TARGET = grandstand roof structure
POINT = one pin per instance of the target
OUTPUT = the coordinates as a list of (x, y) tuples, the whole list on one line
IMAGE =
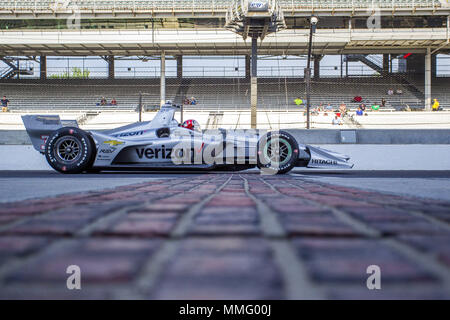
[(216, 40), (209, 8)]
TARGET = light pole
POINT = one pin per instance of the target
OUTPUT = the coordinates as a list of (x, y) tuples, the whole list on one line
[(313, 23), (140, 106), (254, 82)]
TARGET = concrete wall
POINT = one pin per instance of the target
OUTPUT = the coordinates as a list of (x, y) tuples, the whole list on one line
[(395, 157), (365, 157), (315, 136), (14, 137), (374, 136)]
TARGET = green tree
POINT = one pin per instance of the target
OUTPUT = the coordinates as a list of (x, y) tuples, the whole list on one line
[(76, 73)]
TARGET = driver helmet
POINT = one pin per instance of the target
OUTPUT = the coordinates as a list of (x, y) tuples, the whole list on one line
[(191, 125)]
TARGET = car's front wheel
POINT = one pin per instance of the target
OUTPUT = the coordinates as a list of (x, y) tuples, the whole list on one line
[(277, 153), (70, 150)]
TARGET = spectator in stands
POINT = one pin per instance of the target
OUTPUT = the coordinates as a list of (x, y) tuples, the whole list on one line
[(406, 108), (383, 102), (362, 106), (390, 92), (186, 101), (343, 109), (336, 121), (375, 107), (114, 102), (399, 91), (5, 104), (359, 112), (435, 106), (298, 102), (329, 107), (193, 101), (357, 99), (103, 101)]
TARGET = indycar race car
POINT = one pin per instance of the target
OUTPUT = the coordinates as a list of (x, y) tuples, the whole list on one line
[(164, 144)]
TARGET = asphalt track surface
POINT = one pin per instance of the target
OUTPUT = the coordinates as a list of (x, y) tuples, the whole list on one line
[(21, 185), (305, 235)]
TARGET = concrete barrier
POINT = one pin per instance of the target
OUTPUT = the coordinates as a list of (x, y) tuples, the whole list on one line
[(315, 136), (365, 157), (22, 158), (374, 136), (14, 137), (395, 157)]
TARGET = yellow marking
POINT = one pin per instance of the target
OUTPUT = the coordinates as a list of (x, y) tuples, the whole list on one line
[(113, 143)]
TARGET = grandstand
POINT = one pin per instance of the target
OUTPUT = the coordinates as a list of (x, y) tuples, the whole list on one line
[(45, 8), (440, 89), (407, 38), (212, 94)]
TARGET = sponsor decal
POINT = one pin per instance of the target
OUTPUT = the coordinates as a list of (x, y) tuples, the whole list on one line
[(201, 148), (44, 139), (108, 151), (129, 134), (324, 162), (48, 120), (113, 143), (257, 4), (154, 153)]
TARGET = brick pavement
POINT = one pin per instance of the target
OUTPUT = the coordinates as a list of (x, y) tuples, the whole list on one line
[(226, 236)]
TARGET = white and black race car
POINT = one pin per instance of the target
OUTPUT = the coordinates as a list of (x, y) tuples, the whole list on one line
[(164, 144)]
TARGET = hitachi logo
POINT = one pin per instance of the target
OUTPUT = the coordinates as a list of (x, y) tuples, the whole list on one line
[(156, 153), (324, 162)]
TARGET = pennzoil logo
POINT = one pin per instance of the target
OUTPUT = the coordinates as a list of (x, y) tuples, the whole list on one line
[(113, 143)]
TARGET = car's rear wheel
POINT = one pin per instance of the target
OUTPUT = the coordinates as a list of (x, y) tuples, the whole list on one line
[(277, 153), (70, 150)]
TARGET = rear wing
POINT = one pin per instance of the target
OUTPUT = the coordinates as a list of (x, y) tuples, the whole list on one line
[(39, 128)]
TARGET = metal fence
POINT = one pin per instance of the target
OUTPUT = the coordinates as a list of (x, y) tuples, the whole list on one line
[(203, 72)]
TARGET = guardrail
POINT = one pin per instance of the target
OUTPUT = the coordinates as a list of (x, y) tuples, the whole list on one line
[(203, 72)]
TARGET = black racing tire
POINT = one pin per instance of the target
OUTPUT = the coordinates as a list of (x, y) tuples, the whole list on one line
[(90, 168), (70, 150), (282, 160)]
